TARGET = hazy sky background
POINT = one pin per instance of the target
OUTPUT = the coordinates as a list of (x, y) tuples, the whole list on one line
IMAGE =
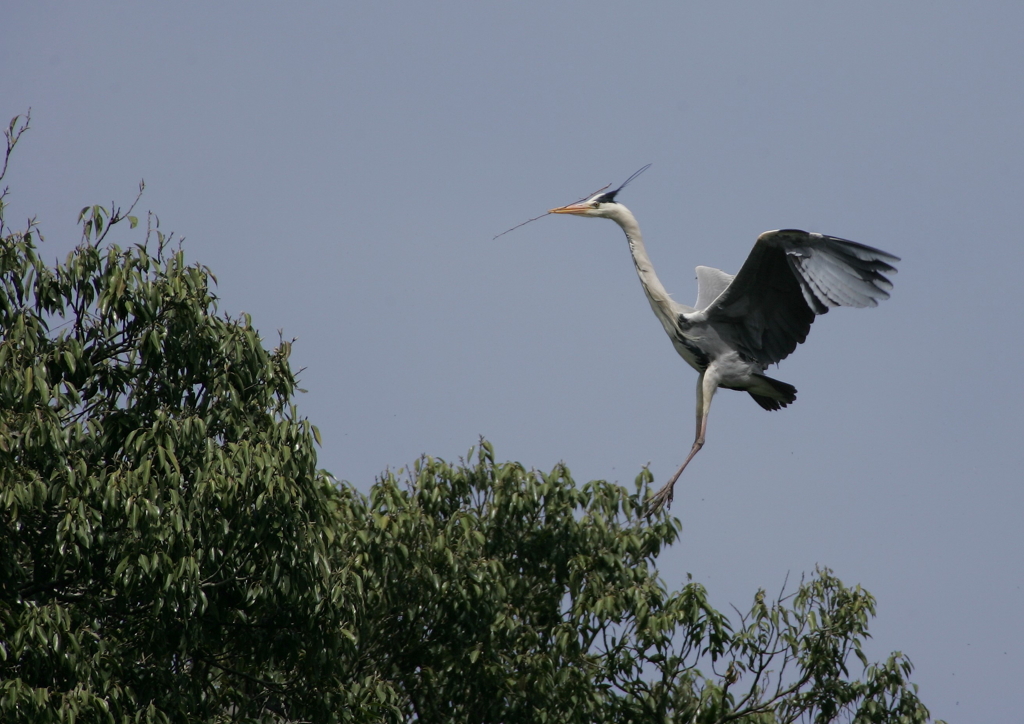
[(343, 167)]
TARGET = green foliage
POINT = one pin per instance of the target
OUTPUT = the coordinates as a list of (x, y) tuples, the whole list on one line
[(162, 547), (169, 551), (486, 592)]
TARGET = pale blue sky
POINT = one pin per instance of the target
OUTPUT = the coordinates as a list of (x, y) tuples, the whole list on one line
[(342, 169)]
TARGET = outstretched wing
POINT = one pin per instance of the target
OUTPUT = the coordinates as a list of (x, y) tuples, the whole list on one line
[(789, 277), (711, 283)]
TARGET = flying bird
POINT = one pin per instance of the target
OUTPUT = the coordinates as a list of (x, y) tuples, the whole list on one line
[(745, 322)]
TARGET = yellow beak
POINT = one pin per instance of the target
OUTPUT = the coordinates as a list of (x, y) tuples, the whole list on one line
[(570, 209)]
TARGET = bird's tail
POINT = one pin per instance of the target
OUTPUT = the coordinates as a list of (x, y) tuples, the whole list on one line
[(772, 394)]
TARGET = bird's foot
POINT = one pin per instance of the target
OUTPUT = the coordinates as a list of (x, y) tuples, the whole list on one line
[(661, 499)]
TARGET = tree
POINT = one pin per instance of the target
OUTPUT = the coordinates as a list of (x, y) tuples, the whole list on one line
[(162, 521), (487, 592), (169, 551)]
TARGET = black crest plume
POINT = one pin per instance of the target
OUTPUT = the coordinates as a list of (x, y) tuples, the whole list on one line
[(610, 196)]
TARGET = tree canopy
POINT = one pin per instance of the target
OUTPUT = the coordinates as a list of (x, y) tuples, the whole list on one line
[(170, 552)]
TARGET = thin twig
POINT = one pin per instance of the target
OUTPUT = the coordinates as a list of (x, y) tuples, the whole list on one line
[(548, 213), (13, 133)]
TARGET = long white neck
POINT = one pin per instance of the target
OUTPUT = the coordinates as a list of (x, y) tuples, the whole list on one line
[(662, 304)]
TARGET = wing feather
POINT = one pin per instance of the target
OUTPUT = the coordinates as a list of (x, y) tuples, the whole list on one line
[(789, 277), (711, 283)]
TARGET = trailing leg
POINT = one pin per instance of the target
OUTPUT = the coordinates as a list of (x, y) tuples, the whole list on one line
[(707, 384)]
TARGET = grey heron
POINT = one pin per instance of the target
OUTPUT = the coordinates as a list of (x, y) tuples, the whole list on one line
[(745, 322)]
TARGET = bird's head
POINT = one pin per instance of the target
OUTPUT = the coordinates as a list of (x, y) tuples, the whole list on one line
[(601, 205)]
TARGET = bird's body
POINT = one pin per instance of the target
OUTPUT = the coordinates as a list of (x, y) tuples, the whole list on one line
[(742, 324)]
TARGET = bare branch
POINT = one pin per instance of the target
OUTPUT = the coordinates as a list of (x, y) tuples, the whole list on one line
[(13, 134)]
